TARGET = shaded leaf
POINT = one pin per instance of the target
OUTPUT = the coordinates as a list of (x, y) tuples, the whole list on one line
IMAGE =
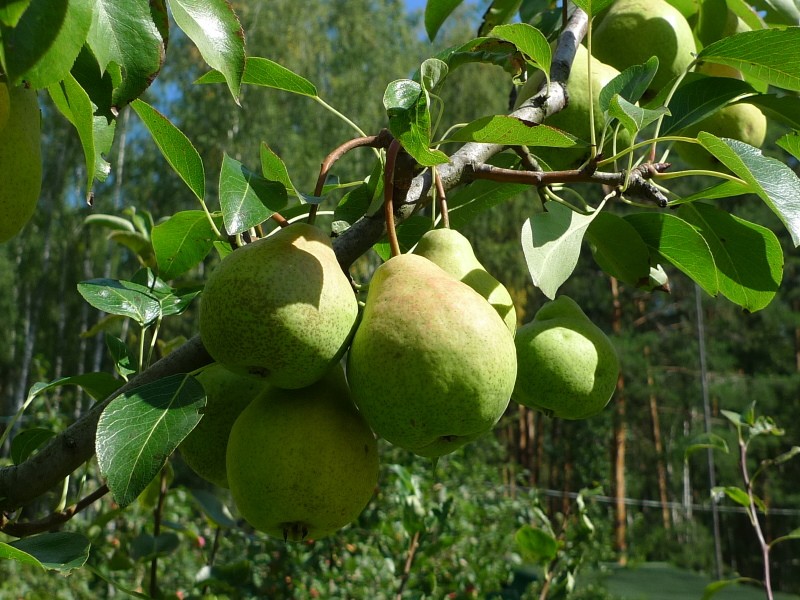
[(593, 7), (139, 430), (214, 508), (551, 242), (618, 248), (498, 13), (266, 73), (181, 242), (677, 242), (124, 362), (631, 84), (175, 146), (146, 547), (121, 298), (11, 11), (712, 588), (406, 104), (27, 442), (245, 197), (792, 535), (791, 143), (61, 550), (408, 234), (699, 99), (706, 441), (726, 189), (528, 40), (784, 108)]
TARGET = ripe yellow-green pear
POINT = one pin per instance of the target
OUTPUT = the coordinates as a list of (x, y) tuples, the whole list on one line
[(567, 367), (743, 122), (227, 395), (632, 31), (20, 160), (280, 308), (451, 251), (302, 463), (574, 118), (432, 365)]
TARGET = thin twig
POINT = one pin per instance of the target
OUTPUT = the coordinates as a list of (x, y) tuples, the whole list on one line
[(442, 202), (754, 517), (388, 196), (157, 512), (53, 520), (412, 552)]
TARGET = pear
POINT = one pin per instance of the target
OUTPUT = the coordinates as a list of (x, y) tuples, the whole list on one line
[(302, 463), (451, 251), (5, 104), (227, 395), (280, 308), (568, 368), (432, 365), (632, 31), (20, 160)]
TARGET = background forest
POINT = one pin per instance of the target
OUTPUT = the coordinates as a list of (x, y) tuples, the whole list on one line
[(617, 488)]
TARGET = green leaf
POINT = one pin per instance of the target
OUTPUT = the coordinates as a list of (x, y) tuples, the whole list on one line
[(137, 243), (436, 13), (748, 257), (128, 42), (501, 129), (771, 55), (214, 508), (726, 189), (733, 417), (632, 117), (677, 242), (172, 301), (432, 73), (175, 146), (779, 12), (124, 362), (783, 108), (121, 298), (791, 143), (733, 492), (11, 11), (618, 248), (45, 42), (705, 441), (112, 222), (498, 13), (631, 84), (487, 50), (406, 103), (26, 442), (712, 588), (61, 550), (213, 27), (181, 242), (245, 197), (139, 430), (700, 98), (551, 242), (266, 73), (593, 7), (146, 547), (536, 546), (774, 182), (98, 385), (95, 133), (274, 169), (792, 535), (528, 40)]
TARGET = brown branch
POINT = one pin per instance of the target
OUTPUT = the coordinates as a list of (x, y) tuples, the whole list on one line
[(442, 195), (53, 520), (67, 451), (412, 552), (388, 196)]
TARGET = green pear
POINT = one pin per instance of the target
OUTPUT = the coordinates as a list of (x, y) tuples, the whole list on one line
[(302, 463), (20, 160), (5, 104), (632, 31), (451, 251), (227, 395), (568, 368), (574, 118), (432, 365), (280, 308), (743, 122)]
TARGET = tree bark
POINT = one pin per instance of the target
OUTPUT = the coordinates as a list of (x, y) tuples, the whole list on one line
[(658, 446)]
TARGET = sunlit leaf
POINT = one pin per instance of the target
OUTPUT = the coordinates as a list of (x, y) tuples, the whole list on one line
[(266, 73), (501, 129), (245, 197), (528, 40), (181, 242), (436, 13), (121, 298)]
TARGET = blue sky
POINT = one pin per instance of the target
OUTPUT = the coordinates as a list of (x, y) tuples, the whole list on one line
[(415, 4)]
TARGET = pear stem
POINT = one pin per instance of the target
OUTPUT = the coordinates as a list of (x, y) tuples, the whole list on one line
[(278, 218), (388, 196), (382, 140), (442, 199)]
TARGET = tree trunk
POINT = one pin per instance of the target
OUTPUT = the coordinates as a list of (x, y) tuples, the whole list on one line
[(661, 469), (618, 452)]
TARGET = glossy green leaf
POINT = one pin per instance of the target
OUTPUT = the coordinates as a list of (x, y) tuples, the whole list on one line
[(45, 42), (128, 41), (631, 83), (175, 146), (61, 550), (618, 248), (498, 13), (726, 189), (139, 430), (699, 98), (744, 10), (436, 13), (172, 301), (677, 242), (215, 30), (791, 143), (632, 117), (266, 73), (486, 50), (536, 546), (748, 257), (528, 40), (26, 442), (273, 168), (706, 441), (121, 298), (95, 133), (181, 242), (779, 12), (124, 361), (11, 11), (245, 197), (406, 103), (501, 129), (772, 55), (774, 182), (551, 242), (593, 7)]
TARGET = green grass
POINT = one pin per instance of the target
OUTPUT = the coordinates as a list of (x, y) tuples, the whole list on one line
[(661, 581)]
